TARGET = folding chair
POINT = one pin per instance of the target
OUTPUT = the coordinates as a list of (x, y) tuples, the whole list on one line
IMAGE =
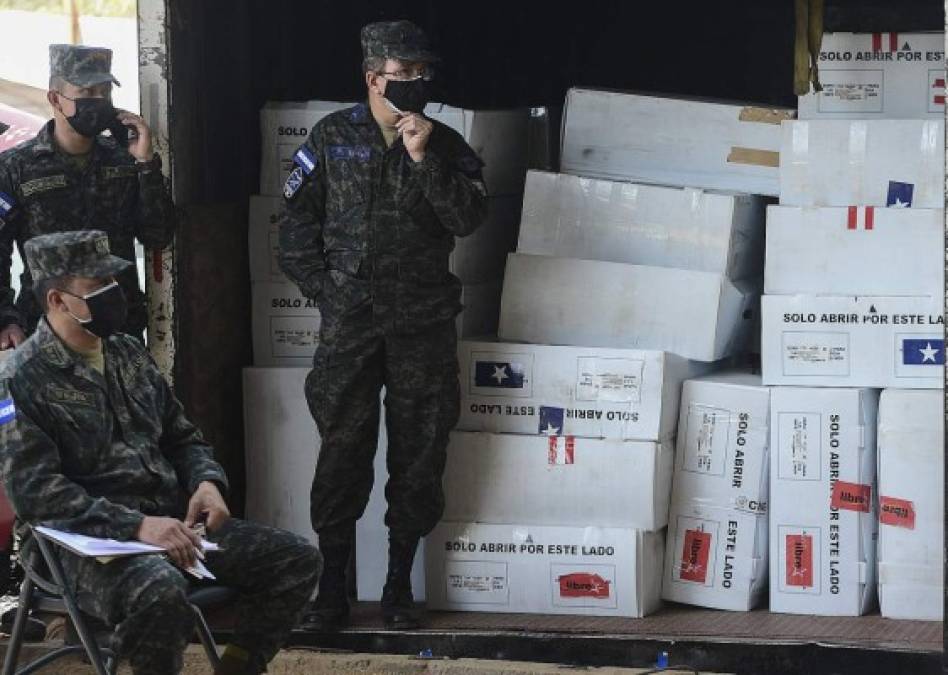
[(40, 593)]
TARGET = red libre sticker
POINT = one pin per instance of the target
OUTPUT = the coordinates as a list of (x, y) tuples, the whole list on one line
[(897, 512), (583, 585), (694, 556), (800, 560), (851, 496)]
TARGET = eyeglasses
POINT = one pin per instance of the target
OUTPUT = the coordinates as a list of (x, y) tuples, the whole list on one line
[(407, 74)]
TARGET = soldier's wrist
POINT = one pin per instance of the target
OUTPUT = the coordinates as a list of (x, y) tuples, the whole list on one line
[(151, 164)]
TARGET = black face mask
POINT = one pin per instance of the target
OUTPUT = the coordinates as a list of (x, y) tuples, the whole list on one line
[(108, 310), (93, 116), (408, 96)]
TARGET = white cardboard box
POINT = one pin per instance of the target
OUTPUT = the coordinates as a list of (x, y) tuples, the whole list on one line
[(854, 251), (672, 141), (863, 163), (476, 567), (879, 76), (557, 480), (823, 523), (687, 228), (572, 391), (282, 447), (478, 258), (285, 325), (844, 341), (697, 315), (717, 523), (499, 137), (911, 504)]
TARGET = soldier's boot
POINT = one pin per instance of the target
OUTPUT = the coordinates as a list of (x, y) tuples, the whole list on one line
[(398, 604), (330, 611)]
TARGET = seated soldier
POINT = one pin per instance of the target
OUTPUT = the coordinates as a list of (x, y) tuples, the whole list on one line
[(93, 441)]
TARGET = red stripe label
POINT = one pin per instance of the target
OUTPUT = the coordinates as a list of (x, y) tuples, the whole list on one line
[(877, 42), (893, 42), (569, 451), (940, 99), (870, 216), (800, 560), (851, 496), (851, 218), (694, 556), (939, 83), (897, 512)]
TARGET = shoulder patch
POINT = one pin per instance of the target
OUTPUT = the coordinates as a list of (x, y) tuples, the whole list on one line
[(7, 411), (306, 160), (42, 184), (293, 182), (6, 204)]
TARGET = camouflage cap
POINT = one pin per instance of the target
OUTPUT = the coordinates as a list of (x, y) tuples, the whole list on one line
[(400, 40), (81, 66), (84, 253)]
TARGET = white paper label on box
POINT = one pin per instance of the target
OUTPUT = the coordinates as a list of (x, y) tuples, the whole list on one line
[(618, 380), (706, 439), (919, 355), (476, 582), (815, 353), (293, 336), (800, 559), (507, 375), (800, 452), (583, 585), (695, 551), (851, 91)]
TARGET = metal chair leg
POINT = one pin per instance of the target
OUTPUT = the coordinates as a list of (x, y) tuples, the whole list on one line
[(19, 627), (207, 639)]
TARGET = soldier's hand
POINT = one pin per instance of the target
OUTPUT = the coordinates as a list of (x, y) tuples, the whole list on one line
[(415, 131), (11, 337), (171, 535), (141, 147), (207, 499)]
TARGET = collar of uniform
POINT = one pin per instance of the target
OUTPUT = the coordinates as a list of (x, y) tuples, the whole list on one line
[(51, 346), (361, 114), (44, 139)]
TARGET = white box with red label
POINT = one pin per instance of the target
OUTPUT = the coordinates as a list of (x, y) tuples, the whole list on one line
[(823, 521), (571, 391), (557, 480), (672, 141), (911, 504), (565, 301), (285, 325), (591, 571), (686, 228), (499, 137), (717, 522), (897, 163), (878, 76), (849, 341), (856, 250)]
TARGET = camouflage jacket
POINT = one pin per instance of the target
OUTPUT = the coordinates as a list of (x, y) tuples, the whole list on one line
[(42, 191), (90, 453), (366, 226)]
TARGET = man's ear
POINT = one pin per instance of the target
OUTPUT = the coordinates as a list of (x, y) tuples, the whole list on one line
[(372, 82), (54, 299), (52, 97)]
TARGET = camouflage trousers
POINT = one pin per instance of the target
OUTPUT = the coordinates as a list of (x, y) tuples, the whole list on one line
[(419, 372), (145, 597)]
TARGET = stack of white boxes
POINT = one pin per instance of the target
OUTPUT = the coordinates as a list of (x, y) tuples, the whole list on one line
[(853, 304), (558, 480)]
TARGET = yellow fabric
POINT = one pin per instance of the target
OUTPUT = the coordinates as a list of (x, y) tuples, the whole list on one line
[(389, 134), (95, 359)]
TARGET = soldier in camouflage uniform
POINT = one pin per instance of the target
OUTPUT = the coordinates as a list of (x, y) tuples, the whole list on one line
[(92, 440), (374, 202), (69, 177)]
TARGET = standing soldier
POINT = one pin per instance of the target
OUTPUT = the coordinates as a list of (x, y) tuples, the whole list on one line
[(69, 177), (376, 197)]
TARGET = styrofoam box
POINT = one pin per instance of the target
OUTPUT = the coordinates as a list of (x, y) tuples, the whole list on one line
[(911, 499), (282, 447), (571, 391), (845, 341), (592, 571), (863, 163), (557, 480), (697, 315), (823, 523), (285, 325), (878, 75), (715, 557), (672, 141), (499, 137), (854, 251), (687, 228), (478, 258)]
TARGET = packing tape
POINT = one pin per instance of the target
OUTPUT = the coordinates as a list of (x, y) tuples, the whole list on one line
[(765, 115), (740, 155)]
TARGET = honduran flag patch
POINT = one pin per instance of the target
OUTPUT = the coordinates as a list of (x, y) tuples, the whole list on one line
[(305, 158), (7, 411), (6, 203)]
